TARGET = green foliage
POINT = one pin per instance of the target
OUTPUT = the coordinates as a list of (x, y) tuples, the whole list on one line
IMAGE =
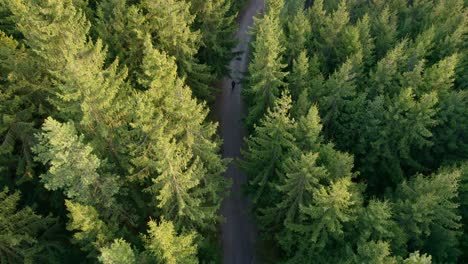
[(91, 233), (22, 232), (426, 210), (119, 252), (217, 25), (122, 27), (182, 162), (266, 76), (387, 79), (267, 149), (170, 25), (416, 258), (73, 167), (163, 242)]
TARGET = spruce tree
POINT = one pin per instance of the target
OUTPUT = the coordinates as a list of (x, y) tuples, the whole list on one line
[(23, 105), (170, 26), (91, 233), (22, 230), (177, 150), (167, 246), (298, 32), (426, 209), (119, 252), (217, 26), (340, 90), (122, 27), (73, 167), (86, 91), (266, 150), (266, 75), (384, 30), (298, 80)]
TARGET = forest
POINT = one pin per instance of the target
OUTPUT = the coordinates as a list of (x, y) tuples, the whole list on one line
[(356, 122)]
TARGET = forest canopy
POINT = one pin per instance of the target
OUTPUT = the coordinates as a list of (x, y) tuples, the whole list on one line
[(358, 118)]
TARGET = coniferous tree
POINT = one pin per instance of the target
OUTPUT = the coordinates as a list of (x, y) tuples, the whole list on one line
[(119, 252), (163, 242), (298, 32), (179, 152), (426, 210), (266, 75), (23, 104), (22, 233), (73, 167), (170, 26), (216, 23), (384, 30), (266, 150), (122, 27)]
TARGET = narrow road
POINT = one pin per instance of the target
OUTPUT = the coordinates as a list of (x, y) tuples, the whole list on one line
[(238, 231)]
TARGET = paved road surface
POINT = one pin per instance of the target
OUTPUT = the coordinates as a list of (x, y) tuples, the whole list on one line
[(238, 231)]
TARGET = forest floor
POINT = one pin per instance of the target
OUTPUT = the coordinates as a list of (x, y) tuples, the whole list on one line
[(238, 230)]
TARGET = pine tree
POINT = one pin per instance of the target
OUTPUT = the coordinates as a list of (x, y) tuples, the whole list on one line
[(266, 76), (449, 142), (298, 32), (163, 243), (73, 166), (340, 90), (426, 209), (332, 208), (384, 31), (395, 131), (170, 25), (217, 25), (23, 104), (301, 179), (266, 150), (176, 148), (86, 92), (21, 230), (298, 79), (384, 79), (122, 27), (374, 252), (119, 252), (90, 232), (417, 258)]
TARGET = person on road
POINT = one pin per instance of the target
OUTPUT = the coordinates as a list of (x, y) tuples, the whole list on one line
[(233, 84)]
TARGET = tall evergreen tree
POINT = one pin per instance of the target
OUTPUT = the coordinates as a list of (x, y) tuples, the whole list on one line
[(170, 25), (22, 238), (298, 32), (266, 150), (122, 27), (217, 25), (426, 210), (73, 167), (177, 149), (118, 252), (266, 75), (163, 242)]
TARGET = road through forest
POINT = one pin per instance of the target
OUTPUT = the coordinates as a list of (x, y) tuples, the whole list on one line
[(238, 231)]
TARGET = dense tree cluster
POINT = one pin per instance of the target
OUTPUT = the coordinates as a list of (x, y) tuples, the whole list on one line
[(104, 130), (358, 117)]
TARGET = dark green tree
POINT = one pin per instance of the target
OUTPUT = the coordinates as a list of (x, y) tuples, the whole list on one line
[(171, 28), (217, 25), (266, 75), (23, 236), (266, 150), (426, 209)]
